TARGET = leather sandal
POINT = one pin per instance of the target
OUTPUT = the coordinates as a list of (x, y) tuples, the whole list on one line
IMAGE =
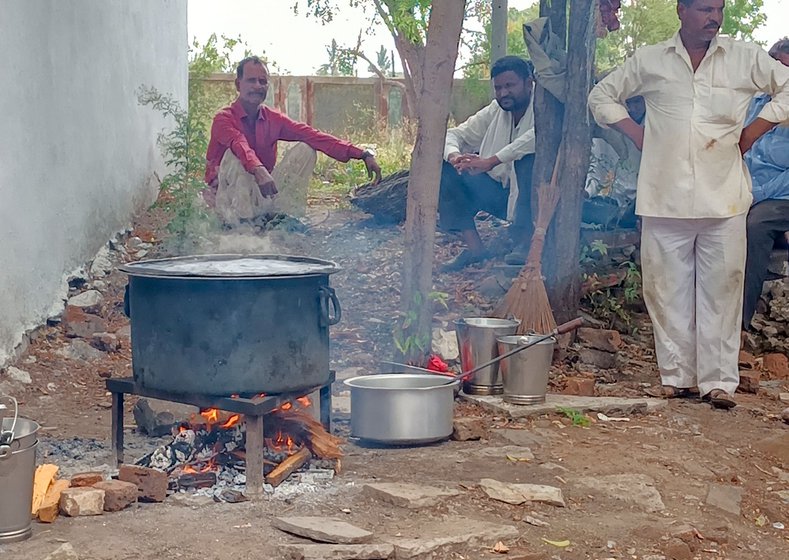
[(669, 392), (720, 399)]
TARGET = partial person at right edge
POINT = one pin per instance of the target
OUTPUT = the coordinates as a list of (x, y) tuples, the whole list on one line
[(768, 219), (488, 164)]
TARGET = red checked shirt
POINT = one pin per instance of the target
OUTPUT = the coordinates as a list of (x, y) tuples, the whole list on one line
[(255, 142)]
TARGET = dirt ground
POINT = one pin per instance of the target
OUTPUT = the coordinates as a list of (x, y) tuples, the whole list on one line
[(682, 453)]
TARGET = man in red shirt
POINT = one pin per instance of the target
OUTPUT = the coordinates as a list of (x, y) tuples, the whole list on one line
[(242, 150)]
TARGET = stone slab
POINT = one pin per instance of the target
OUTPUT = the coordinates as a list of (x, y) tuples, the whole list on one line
[(725, 498), (517, 494), (323, 529), (412, 496), (611, 406), (460, 532), (377, 551), (637, 489)]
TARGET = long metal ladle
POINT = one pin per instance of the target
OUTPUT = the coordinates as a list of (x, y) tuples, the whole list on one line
[(569, 326)]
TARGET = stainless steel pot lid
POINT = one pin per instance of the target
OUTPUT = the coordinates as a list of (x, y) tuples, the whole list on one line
[(231, 266)]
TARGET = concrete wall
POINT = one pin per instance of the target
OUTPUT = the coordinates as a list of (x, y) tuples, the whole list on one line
[(77, 152)]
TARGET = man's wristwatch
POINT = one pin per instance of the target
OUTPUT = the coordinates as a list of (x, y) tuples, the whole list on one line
[(368, 152)]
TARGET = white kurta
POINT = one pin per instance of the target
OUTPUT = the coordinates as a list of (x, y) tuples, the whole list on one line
[(490, 132), (694, 192), (691, 166)]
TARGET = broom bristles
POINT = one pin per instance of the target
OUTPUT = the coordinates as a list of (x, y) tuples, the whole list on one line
[(527, 299)]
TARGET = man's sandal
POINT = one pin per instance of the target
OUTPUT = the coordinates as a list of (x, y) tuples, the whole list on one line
[(669, 392), (720, 399)]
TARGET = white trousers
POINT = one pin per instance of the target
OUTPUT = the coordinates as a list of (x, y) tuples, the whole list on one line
[(693, 274)]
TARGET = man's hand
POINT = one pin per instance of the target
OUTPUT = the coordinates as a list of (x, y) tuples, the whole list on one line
[(265, 182), (373, 169), (475, 164), (632, 130), (751, 133)]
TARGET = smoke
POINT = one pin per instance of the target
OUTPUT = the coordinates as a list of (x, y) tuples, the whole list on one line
[(247, 239)]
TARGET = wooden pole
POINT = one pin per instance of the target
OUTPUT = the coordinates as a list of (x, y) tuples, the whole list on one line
[(498, 30)]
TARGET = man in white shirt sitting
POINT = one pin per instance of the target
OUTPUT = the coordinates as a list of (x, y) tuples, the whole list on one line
[(488, 163), (693, 188)]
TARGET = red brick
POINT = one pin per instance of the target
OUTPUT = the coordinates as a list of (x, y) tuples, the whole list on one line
[(82, 480), (581, 386), (749, 381), (151, 484), (117, 494), (776, 365)]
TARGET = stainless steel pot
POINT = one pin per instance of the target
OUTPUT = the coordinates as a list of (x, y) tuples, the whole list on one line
[(231, 324), (477, 344), (525, 374), (402, 408)]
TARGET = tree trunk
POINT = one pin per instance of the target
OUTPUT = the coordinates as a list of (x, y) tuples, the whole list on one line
[(440, 53), (563, 271), (548, 110)]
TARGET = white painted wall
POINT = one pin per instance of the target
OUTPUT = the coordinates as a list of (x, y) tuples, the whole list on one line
[(77, 152)]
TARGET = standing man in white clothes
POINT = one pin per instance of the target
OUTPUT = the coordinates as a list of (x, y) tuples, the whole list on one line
[(694, 190)]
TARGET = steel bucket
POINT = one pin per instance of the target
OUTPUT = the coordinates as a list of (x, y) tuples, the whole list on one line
[(18, 443), (477, 345), (525, 374)]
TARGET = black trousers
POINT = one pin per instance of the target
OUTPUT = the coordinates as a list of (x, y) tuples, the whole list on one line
[(462, 195), (767, 221)]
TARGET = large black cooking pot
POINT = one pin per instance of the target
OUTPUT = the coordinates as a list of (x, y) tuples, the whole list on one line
[(231, 324)]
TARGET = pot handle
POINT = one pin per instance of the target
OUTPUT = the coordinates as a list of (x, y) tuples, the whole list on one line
[(327, 296)]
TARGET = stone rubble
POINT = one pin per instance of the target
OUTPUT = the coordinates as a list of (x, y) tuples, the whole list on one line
[(76, 502), (411, 496)]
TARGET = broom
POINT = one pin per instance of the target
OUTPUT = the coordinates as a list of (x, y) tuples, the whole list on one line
[(527, 299)]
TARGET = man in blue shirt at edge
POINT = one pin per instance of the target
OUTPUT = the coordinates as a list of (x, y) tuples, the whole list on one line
[(768, 218)]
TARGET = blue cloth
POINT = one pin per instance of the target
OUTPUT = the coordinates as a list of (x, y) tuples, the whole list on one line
[(768, 159)]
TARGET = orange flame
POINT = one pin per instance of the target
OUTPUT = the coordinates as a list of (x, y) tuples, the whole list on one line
[(304, 401), (232, 421), (211, 415)]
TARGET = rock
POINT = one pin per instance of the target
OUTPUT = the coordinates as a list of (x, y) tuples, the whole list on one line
[(725, 498), (783, 397), (101, 265), (445, 344), (64, 552), (323, 529), (378, 551), (517, 494), (151, 484), (582, 386), (85, 479), (135, 243), (686, 534), (468, 429), (509, 452), (78, 323), (157, 418), (776, 445), (746, 360), (598, 358), (75, 502), (99, 285), (437, 535), (678, 550), (491, 288), (777, 365), (16, 375), (117, 494), (637, 489), (105, 342), (124, 332), (749, 381), (89, 301), (80, 350), (600, 339), (785, 415), (412, 496), (783, 495)]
